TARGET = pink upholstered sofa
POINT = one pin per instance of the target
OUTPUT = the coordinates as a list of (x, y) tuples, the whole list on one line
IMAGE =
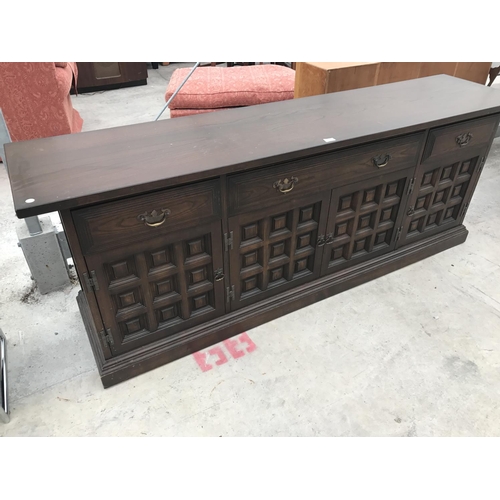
[(214, 88), (35, 100)]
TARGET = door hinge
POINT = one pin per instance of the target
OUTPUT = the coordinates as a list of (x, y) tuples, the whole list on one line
[(398, 233), (107, 337), (411, 185), (230, 293), (228, 241), (464, 210), (92, 283)]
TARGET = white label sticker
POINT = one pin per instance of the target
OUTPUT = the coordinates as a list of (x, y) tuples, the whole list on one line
[(329, 139)]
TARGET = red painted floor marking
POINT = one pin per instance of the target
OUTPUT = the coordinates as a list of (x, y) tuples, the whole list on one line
[(237, 347)]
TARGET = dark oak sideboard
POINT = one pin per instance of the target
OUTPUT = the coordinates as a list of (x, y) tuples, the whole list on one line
[(186, 232)]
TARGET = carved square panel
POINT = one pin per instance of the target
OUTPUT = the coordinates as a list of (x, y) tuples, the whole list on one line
[(416, 225), (168, 313), (160, 258), (369, 196), (386, 214), (198, 275), (427, 179), (278, 222), (421, 202), (127, 299), (250, 231), (465, 167), (164, 287), (382, 238), (361, 245), (432, 219), (300, 265), (439, 197), (201, 301), (249, 259), (345, 202), (446, 173), (365, 221), (249, 284), (459, 191), (339, 252), (306, 214), (304, 240), (195, 247), (276, 274), (120, 270), (277, 249), (341, 228), (391, 189), (451, 213), (133, 326)]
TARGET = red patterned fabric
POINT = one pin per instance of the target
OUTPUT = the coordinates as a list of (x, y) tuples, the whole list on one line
[(35, 100), (213, 87), (175, 113)]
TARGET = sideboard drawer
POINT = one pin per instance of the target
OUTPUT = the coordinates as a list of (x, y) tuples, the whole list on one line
[(290, 180), (121, 222), (459, 137)]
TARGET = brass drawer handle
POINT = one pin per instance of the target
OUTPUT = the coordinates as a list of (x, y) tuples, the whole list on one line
[(154, 219), (285, 186), (463, 139), (381, 161)]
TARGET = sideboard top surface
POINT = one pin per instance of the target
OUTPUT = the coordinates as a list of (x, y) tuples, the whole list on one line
[(76, 170)]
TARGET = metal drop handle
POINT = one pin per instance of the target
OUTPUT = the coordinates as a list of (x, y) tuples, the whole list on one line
[(154, 218), (381, 161), (463, 139), (285, 186)]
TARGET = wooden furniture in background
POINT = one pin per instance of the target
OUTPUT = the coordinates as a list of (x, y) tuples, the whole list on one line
[(246, 215), (314, 78), (94, 76)]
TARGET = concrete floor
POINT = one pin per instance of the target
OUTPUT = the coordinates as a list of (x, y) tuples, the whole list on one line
[(414, 353)]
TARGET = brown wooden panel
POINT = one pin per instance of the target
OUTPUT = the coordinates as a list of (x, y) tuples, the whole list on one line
[(156, 288), (254, 190), (440, 195), (309, 80), (274, 250), (116, 223), (454, 139), (437, 68), (390, 72), (350, 77), (473, 71), (363, 220), (91, 74)]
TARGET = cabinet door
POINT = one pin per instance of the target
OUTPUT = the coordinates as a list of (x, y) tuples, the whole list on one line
[(440, 196), (364, 219), (157, 287), (276, 249)]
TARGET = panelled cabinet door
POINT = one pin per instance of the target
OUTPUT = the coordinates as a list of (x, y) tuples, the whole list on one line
[(364, 220), (276, 249), (440, 196), (156, 288)]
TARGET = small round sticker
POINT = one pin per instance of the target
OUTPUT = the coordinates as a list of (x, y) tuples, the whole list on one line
[(29, 200)]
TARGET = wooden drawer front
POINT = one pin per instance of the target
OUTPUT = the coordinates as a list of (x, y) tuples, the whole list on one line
[(453, 139), (117, 223), (285, 182)]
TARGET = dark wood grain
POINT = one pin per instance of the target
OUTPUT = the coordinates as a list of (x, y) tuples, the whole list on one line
[(116, 370), (443, 140), (254, 190), (115, 224), (82, 169), (128, 73)]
